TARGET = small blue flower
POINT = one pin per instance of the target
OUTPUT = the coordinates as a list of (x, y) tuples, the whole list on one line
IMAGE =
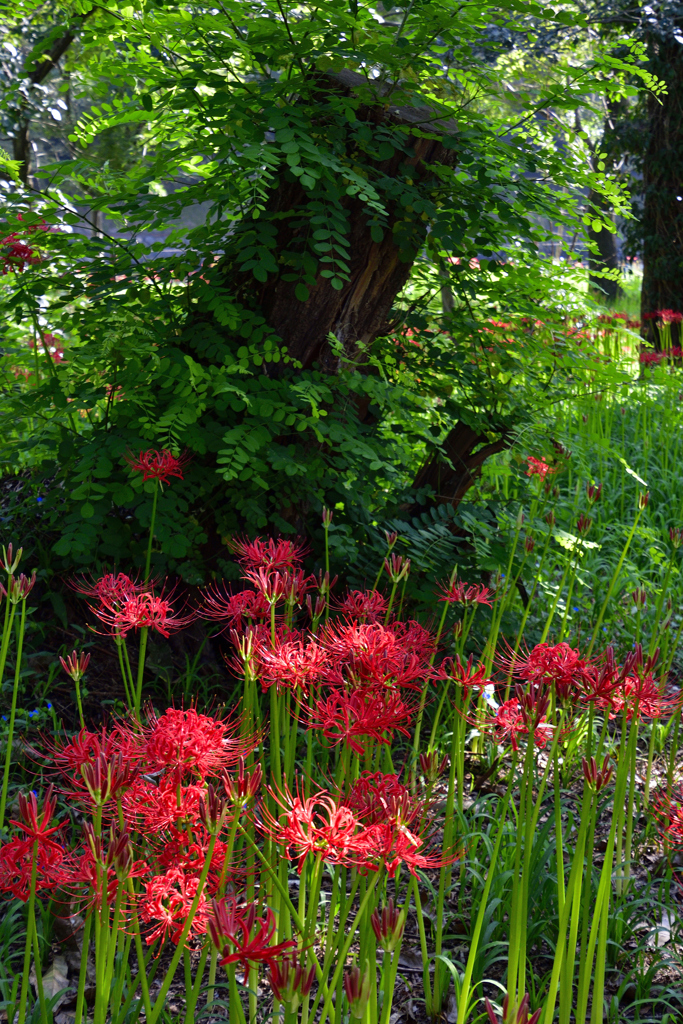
[(39, 500), (49, 706)]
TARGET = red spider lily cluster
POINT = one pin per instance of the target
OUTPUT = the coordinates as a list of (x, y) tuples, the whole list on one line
[(15, 253), (158, 465), (123, 604), (465, 593), (537, 467), (649, 357)]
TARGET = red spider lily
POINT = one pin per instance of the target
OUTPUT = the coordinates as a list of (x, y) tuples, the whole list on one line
[(519, 1016), (111, 589), (375, 797), (142, 611), (666, 316), (166, 904), (388, 926), (291, 664), (150, 808), (222, 606), (465, 675), (390, 845), (559, 665), (75, 665), (184, 741), (467, 594), (242, 937), (16, 255), (371, 655), (16, 865), (9, 562), (270, 555), (537, 467), (86, 747), (270, 584), (675, 536), (669, 811), (317, 825), (639, 597), (363, 605), (344, 717), (649, 358), (158, 465), (512, 720), (641, 696), (290, 981)]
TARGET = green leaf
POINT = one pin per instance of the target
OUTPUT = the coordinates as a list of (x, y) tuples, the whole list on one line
[(87, 510)]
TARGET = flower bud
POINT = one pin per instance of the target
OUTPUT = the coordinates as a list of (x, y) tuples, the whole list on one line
[(244, 789), (75, 665), (18, 588), (529, 544), (550, 518), (391, 537), (397, 567), (432, 765), (213, 810), (9, 563), (639, 597), (595, 779), (583, 525), (593, 492), (643, 500), (327, 517), (357, 989), (290, 981), (388, 926), (676, 536)]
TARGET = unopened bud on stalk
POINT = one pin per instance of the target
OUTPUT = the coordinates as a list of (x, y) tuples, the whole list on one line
[(512, 1016), (639, 597), (391, 537), (397, 567), (432, 765), (75, 665), (213, 810), (18, 588), (676, 536), (120, 854), (583, 525), (520, 519), (244, 788), (643, 500), (357, 989), (593, 492), (529, 544), (290, 981), (9, 563), (327, 517), (388, 926), (315, 610), (550, 518), (457, 629), (595, 779)]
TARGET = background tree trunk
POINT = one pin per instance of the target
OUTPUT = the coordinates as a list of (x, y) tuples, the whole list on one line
[(662, 222)]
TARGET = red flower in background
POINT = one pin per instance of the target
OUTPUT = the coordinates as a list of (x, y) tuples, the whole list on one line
[(123, 612), (537, 467), (158, 465), (467, 594), (267, 554), (318, 825), (240, 936), (345, 717), (364, 605), (290, 664), (222, 606)]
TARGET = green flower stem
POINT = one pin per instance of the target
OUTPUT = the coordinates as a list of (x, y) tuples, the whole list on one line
[(152, 523), (425, 687), (141, 669), (24, 997), (613, 581), (344, 952), (13, 711), (466, 984), (80, 996), (170, 973)]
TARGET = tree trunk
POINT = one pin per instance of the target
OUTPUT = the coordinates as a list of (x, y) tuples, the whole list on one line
[(446, 480), (662, 222), (606, 257)]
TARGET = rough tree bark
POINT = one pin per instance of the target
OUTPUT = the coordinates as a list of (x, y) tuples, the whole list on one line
[(361, 310), (662, 214)]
